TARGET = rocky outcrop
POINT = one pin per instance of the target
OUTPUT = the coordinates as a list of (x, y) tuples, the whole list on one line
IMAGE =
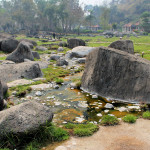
[(79, 52), (62, 62), (28, 70), (24, 118), (29, 41), (9, 45), (123, 45), (62, 44), (75, 42), (22, 52), (118, 75)]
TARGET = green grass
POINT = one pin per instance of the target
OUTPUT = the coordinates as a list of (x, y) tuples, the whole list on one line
[(36, 140), (52, 73), (59, 80), (3, 58), (108, 120), (146, 115), (81, 130), (130, 118)]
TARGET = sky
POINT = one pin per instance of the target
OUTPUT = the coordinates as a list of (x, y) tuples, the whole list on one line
[(93, 2)]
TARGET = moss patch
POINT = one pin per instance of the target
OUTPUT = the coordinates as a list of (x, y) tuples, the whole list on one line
[(108, 120)]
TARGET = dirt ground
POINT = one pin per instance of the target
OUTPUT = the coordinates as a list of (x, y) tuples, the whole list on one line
[(121, 137)]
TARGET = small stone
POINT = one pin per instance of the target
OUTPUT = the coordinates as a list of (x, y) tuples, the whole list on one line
[(109, 106), (94, 96), (99, 115), (38, 93), (106, 111), (56, 87)]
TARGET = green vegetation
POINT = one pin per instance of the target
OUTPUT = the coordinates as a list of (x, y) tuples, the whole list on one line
[(80, 130), (3, 58), (52, 73), (108, 120), (34, 141), (130, 118), (59, 80), (146, 115)]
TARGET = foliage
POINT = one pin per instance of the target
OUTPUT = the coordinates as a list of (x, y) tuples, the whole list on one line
[(3, 58), (80, 130), (108, 120), (130, 118), (37, 139), (146, 115), (146, 21)]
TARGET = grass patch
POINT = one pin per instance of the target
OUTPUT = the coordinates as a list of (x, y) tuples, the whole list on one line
[(108, 120), (146, 115), (130, 118), (59, 80), (36, 140), (3, 58), (81, 130), (52, 73)]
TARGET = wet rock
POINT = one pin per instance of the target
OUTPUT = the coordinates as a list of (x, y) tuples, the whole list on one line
[(81, 60), (36, 55), (9, 45), (118, 75), (22, 52), (19, 82), (41, 48), (23, 118), (94, 96), (11, 72), (56, 86), (75, 42), (133, 108), (123, 45), (121, 109), (99, 115), (106, 111), (109, 106)]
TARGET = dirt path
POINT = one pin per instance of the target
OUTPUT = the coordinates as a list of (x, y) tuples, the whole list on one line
[(122, 137)]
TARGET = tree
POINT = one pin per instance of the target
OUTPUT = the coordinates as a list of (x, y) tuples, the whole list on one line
[(146, 21)]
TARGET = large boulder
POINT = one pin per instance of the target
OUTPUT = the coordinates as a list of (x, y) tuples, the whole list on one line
[(75, 42), (79, 52), (123, 45), (22, 52), (118, 75), (3, 91), (28, 70), (36, 55), (9, 45), (23, 119), (62, 44)]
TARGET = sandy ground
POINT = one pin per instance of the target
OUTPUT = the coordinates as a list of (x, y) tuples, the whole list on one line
[(121, 137)]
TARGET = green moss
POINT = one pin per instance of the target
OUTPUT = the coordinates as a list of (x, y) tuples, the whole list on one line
[(80, 130), (130, 118), (108, 120), (146, 115), (3, 58)]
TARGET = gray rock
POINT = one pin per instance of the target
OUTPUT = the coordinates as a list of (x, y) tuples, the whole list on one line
[(123, 45), (10, 72), (60, 49), (54, 57), (9, 45), (3, 91), (41, 48), (117, 75), (24, 118), (62, 62), (43, 64), (29, 41), (8, 62), (22, 52), (81, 60), (36, 55), (63, 44), (79, 52), (75, 42), (109, 106)]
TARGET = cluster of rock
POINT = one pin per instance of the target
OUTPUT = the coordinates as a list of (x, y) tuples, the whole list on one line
[(117, 73)]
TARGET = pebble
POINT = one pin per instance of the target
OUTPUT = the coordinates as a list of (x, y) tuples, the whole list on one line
[(38, 93), (94, 96), (106, 111), (109, 106), (99, 115)]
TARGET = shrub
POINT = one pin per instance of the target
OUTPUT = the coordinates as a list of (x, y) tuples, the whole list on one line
[(109, 120), (130, 118), (146, 115), (86, 129)]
